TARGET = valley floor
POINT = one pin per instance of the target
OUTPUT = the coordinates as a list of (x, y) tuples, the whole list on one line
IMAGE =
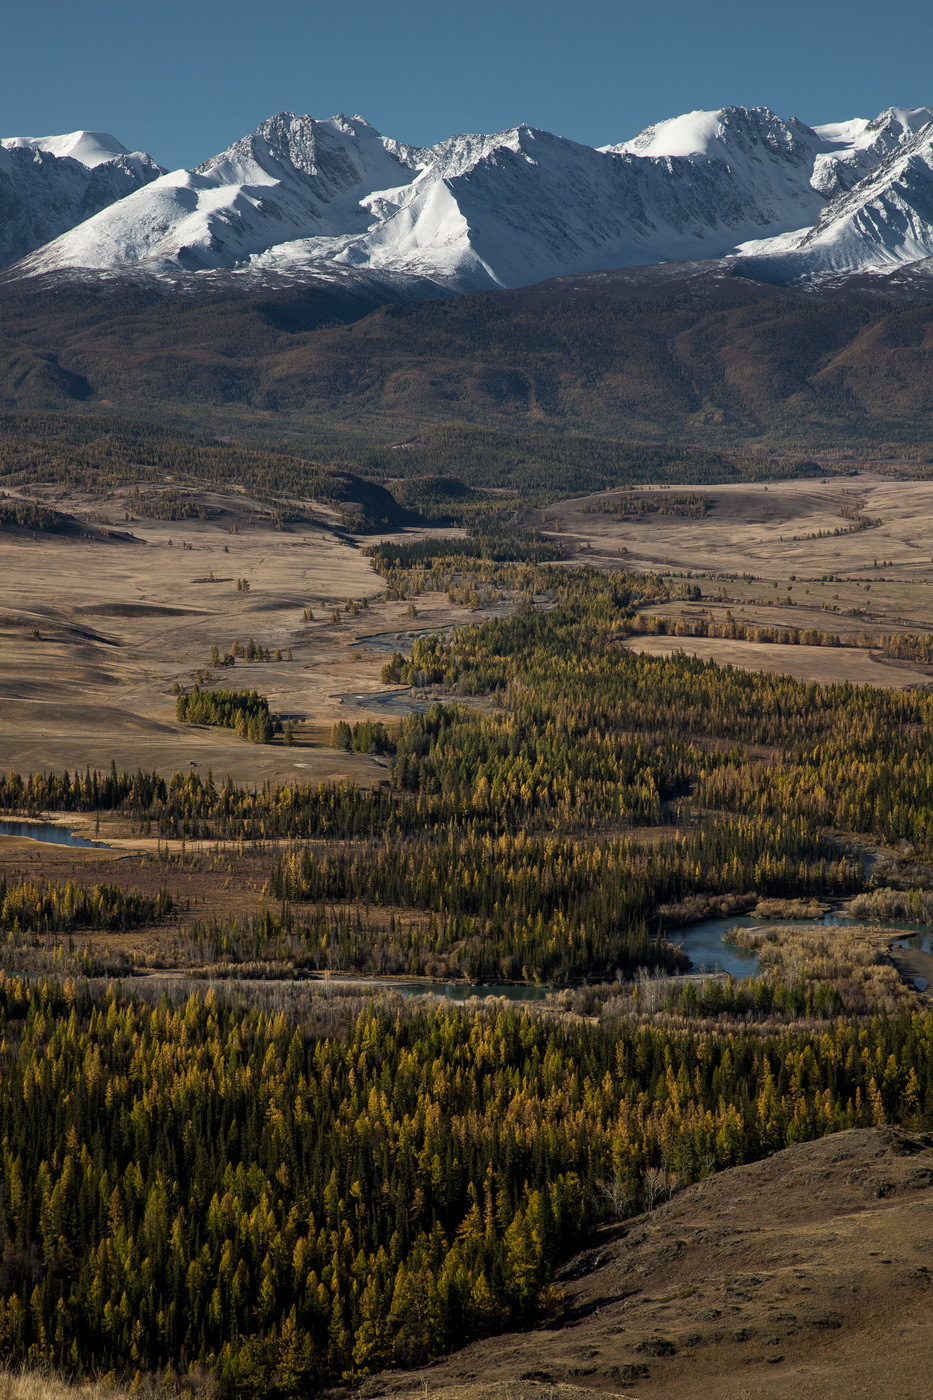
[(547, 829), (94, 633), (776, 554)]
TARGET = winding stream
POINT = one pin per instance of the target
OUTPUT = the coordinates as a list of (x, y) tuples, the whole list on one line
[(705, 941)]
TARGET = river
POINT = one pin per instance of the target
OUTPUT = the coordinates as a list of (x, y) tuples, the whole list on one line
[(705, 941)]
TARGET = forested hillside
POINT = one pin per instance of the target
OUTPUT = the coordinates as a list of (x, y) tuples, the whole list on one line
[(695, 356), (98, 453)]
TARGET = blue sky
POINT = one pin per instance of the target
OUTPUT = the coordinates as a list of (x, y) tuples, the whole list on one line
[(183, 80)]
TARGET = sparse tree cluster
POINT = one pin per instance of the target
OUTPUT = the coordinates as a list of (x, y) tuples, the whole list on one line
[(243, 710)]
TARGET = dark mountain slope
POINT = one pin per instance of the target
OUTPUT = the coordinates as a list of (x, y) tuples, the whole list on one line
[(693, 353)]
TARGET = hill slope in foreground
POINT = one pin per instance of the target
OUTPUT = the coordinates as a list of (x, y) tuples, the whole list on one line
[(801, 1277), (805, 1275)]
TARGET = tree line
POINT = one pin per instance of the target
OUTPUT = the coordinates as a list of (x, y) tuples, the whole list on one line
[(44, 906), (901, 646)]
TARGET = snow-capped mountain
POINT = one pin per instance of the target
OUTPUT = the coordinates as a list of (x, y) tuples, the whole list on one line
[(291, 177), (525, 205), (883, 221), (303, 197), (856, 148), (474, 211), (764, 151), (48, 184)]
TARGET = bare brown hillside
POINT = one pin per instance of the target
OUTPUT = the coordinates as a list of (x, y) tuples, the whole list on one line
[(803, 1277)]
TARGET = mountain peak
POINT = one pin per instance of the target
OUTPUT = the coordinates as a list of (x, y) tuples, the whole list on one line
[(288, 143), (709, 134), (49, 184), (89, 148)]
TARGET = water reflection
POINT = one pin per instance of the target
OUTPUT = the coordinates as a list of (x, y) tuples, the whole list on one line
[(48, 831), (705, 945)]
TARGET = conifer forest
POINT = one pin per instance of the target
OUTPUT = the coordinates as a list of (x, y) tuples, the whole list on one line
[(246, 1147)]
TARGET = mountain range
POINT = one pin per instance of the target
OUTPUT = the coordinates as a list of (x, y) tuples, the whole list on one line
[(729, 277), (306, 201)]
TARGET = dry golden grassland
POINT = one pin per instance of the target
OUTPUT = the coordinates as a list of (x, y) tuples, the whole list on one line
[(30, 1385), (94, 632), (803, 663), (758, 555)]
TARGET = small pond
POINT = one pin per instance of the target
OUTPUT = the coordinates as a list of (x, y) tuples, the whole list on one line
[(705, 945), (919, 937), (48, 831)]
